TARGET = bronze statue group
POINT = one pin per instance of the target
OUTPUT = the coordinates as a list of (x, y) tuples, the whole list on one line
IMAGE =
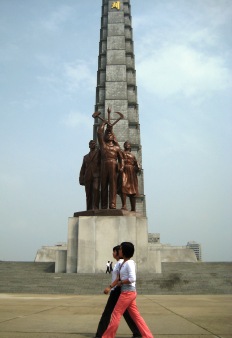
[(105, 172), (108, 170)]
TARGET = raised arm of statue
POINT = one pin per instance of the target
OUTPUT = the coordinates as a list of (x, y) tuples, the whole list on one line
[(100, 133)]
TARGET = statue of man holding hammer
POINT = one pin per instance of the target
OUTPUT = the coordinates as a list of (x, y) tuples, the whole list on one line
[(111, 161)]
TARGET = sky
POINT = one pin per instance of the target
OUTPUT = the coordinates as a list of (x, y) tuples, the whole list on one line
[(48, 75)]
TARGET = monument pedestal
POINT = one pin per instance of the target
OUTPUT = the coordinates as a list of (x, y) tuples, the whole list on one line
[(92, 238)]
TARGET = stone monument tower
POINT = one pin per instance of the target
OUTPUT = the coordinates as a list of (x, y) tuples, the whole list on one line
[(93, 233), (116, 82)]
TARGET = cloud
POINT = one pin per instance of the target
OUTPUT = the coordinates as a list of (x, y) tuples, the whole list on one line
[(77, 119), (178, 69), (185, 51), (202, 37), (56, 19), (52, 81), (78, 75), (71, 77)]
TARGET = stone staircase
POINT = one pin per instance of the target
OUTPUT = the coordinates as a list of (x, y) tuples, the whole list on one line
[(176, 278), (189, 278)]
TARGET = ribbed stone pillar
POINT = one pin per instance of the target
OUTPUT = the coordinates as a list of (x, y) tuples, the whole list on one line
[(116, 81)]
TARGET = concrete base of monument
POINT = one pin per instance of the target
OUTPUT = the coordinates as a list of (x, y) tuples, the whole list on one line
[(92, 238)]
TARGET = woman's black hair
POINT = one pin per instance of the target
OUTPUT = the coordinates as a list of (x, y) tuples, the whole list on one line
[(116, 248), (128, 249)]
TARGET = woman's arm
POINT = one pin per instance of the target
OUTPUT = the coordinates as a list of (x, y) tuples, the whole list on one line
[(113, 284), (128, 276)]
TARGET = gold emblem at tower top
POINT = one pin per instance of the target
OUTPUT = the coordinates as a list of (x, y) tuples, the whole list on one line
[(116, 4)]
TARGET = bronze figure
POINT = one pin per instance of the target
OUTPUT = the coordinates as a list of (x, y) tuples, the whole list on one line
[(111, 164), (128, 181), (90, 176)]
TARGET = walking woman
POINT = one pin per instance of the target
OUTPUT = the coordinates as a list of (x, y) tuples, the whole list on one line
[(112, 301), (127, 299)]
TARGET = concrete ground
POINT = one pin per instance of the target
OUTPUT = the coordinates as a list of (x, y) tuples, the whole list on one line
[(77, 316)]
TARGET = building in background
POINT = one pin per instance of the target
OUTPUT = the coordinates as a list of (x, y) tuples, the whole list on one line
[(196, 247), (153, 238)]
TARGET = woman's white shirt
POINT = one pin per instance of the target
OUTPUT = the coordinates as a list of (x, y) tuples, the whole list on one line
[(127, 271), (115, 271)]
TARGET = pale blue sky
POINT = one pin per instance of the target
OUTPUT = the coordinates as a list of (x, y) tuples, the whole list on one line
[(48, 66)]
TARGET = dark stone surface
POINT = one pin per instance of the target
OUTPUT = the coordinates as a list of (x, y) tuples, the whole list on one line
[(106, 212)]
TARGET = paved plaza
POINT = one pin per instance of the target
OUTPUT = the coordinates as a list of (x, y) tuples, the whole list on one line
[(77, 316)]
